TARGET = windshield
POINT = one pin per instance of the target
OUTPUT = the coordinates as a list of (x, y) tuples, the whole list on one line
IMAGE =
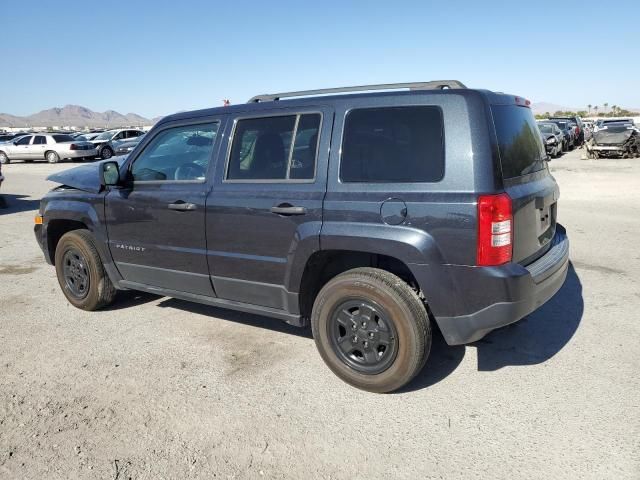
[(520, 145), (546, 128), (105, 136)]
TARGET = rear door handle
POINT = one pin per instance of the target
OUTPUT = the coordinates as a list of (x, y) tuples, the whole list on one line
[(286, 209), (181, 206)]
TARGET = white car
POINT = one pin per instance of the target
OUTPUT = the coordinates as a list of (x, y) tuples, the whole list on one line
[(51, 147)]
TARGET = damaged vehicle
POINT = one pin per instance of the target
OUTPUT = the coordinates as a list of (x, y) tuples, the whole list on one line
[(615, 141), (553, 138)]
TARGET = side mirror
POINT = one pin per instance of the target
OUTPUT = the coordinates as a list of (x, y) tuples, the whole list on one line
[(110, 173)]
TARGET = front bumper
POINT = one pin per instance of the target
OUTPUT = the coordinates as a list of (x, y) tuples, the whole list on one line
[(504, 294)]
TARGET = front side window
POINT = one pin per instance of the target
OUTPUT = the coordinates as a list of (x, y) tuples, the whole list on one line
[(179, 153), (24, 141), (275, 148), (393, 145)]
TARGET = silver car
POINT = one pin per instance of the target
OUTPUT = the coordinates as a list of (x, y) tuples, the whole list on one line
[(107, 142), (51, 147)]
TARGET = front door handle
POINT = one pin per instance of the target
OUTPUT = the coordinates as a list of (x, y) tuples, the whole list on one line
[(287, 209), (181, 206)]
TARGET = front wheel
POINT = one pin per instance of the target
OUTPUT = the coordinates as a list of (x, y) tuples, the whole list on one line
[(371, 329), (106, 153), (3, 158), (80, 272)]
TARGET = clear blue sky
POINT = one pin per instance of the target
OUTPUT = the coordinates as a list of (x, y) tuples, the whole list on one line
[(159, 57)]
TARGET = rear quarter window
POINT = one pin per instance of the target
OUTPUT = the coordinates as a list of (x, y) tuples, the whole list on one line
[(519, 142), (393, 145)]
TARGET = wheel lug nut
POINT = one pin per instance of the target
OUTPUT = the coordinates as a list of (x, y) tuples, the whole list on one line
[(364, 324), (355, 339), (354, 327), (370, 334), (365, 343)]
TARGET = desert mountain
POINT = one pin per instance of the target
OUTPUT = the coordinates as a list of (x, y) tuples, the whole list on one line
[(74, 115)]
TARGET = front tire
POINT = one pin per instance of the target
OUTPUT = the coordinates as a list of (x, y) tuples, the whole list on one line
[(80, 272), (4, 159), (371, 329), (106, 153)]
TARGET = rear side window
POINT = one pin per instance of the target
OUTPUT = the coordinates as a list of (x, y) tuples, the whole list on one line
[(40, 140), (519, 142), (62, 138), (393, 145), (275, 148)]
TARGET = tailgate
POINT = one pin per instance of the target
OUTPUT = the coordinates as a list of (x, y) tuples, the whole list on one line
[(535, 210)]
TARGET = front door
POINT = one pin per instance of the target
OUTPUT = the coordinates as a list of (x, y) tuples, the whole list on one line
[(156, 224), (266, 204), (21, 149), (38, 147)]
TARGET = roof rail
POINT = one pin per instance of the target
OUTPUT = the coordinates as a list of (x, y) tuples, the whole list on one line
[(434, 85)]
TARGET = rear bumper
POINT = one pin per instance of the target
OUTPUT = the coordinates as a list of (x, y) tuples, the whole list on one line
[(78, 153), (503, 294)]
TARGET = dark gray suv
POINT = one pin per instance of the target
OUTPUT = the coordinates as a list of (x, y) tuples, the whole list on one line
[(372, 217)]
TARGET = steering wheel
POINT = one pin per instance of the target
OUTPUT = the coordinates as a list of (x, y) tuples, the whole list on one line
[(189, 171)]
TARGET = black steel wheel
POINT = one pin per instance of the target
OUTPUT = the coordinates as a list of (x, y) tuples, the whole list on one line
[(363, 335), (76, 273), (371, 329), (80, 272)]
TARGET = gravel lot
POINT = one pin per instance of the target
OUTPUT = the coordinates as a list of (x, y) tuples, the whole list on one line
[(161, 388)]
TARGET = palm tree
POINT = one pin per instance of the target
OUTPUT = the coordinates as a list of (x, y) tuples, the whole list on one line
[(614, 108), (595, 110), (589, 106), (605, 107)]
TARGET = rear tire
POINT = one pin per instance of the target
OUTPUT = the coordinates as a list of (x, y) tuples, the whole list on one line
[(52, 157), (80, 272), (371, 329)]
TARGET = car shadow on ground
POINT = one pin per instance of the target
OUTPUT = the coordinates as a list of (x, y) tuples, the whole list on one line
[(16, 203), (252, 320), (533, 340), (539, 336)]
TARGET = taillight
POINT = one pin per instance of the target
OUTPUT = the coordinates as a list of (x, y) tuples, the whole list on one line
[(495, 230), (73, 146)]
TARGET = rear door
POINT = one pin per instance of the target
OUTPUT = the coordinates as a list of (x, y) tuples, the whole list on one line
[(266, 204), (38, 147), (156, 224), (527, 180)]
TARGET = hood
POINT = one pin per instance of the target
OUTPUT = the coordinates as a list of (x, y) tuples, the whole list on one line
[(85, 177), (612, 136)]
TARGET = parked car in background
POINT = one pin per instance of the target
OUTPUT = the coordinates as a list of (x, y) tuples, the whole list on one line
[(578, 131), (568, 132), (553, 138), (50, 147), (7, 137), (107, 142), (615, 141), (124, 148)]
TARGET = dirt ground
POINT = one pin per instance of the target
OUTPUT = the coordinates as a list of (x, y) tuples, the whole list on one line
[(161, 388)]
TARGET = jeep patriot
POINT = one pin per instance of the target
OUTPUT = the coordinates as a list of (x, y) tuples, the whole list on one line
[(370, 213)]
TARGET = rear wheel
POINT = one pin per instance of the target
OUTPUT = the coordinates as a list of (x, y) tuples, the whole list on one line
[(52, 157), (371, 329), (80, 272)]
